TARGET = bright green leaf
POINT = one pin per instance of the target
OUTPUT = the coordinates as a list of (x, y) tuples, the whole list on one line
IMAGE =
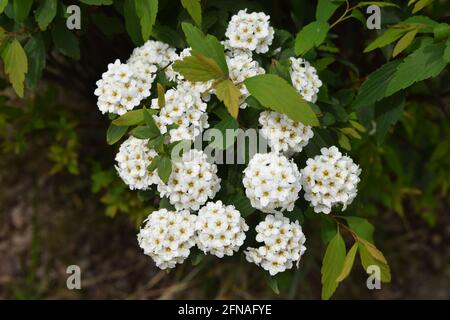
[(198, 67), (207, 45), (420, 5), (386, 38), (348, 263), (275, 93), (404, 42), (376, 3), (194, 9), (312, 35), (361, 227), (130, 118), (16, 65), (332, 265), (3, 4), (146, 10), (21, 9), (326, 8)]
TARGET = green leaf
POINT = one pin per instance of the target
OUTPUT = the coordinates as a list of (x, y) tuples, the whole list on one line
[(150, 122), (3, 4), (426, 62), (312, 35), (326, 8), (374, 88), (344, 141), (45, 13), (394, 107), (226, 123), (348, 263), (207, 45), (272, 283), (132, 22), (441, 31), (154, 164), (361, 227), (21, 9), (157, 144), (130, 118), (243, 205), (447, 51), (368, 260), (35, 50), (420, 5), (115, 133), (194, 9), (404, 42), (143, 132), (198, 67), (373, 251), (386, 38), (16, 65), (275, 93), (66, 41), (229, 94), (146, 11), (165, 168), (332, 265)]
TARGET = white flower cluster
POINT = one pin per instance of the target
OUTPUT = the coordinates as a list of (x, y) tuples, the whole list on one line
[(123, 86), (167, 237), (330, 179), (133, 158), (271, 181), (283, 134), (192, 182), (304, 78), (183, 108), (154, 53), (283, 244), (241, 67), (250, 31), (220, 229)]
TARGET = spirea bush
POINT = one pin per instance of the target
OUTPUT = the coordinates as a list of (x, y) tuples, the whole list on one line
[(223, 77), (241, 132)]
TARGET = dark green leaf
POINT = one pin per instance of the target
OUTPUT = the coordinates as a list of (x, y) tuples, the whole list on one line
[(35, 50), (114, 133), (165, 168), (45, 13)]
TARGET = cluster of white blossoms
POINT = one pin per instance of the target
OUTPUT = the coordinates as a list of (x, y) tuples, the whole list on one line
[(241, 67), (283, 244), (220, 229), (167, 237), (154, 53), (184, 108), (123, 86), (250, 31), (330, 179), (304, 78), (283, 134), (192, 182), (133, 158), (271, 182)]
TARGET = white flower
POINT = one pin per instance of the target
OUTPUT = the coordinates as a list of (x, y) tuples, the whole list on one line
[(330, 179), (283, 244), (123, 86), (183, 108), (192, 182), (249, 31), (283, 134), (304, 79), (271, 181), (241, 67), (133, 158), (220, 229), (167, 237), (154, 53)]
